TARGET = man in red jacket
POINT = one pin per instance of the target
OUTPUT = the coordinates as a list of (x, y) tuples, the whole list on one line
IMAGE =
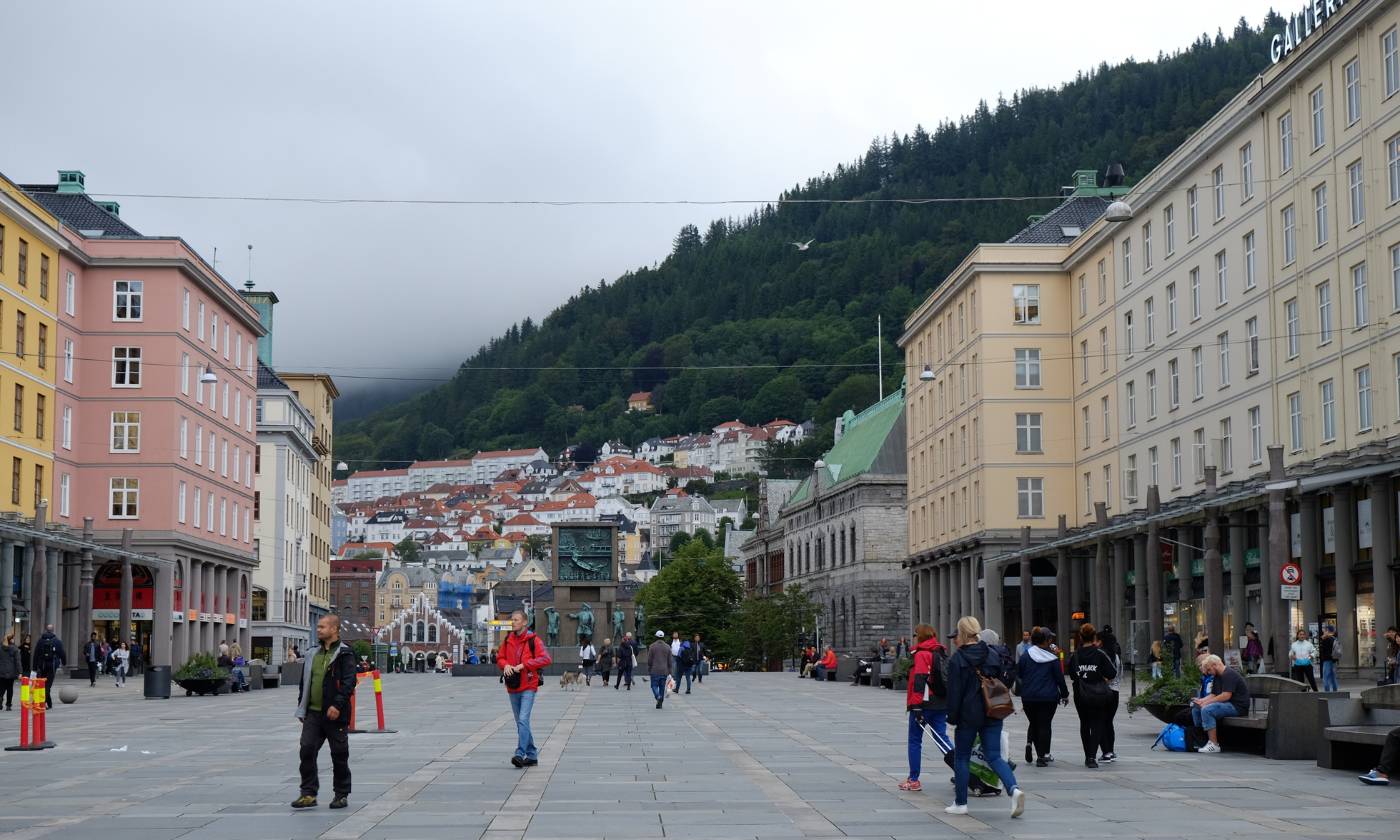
[(521, 659)]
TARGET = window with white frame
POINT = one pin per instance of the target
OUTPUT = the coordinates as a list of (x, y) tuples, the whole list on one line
[(1356, 193), (1351, 82), (1249, 266), (1107, 485), (126, 300), (209, 512), (199, 445), (1169, 228), (1198, 454), (180, 503), (1290, 314), (1195, 278), (1290, 234), (1173, 384), (1363, 398), (1103, 349), (1193, 216), (1392, 62), (237, 459), (1028, 433), (1198, 371), (1128, 332), (1149, 322), (1327, 396), (1026, 303), (200, 323), (1227, 446), (223, 516), (1088, 492), (1152, 466), (1222, 345), (1246, 172), (65, 493), (1285, 142), (1392, 158), (185, 310), (1317, 101), (1130, 397), (1083, 295), (214, 331), (223, 458), (1085, 422), (70, 294), (228, 332), (226, 386), (1107, 416), (212, 449), (185, 374), (1127, 260), (124, 495), (198, 506), (1151, 394), (1222, 279), (1146, 246), (1256, 435), (1324, 312), (126, 431), (1175, 448), (1251, 345), (1217, 183), (1030, 498), (1103, 281), (1130, 479), (1395, 363), (67, 360), (1319, 194), (1027, 367), (126, 367), (1359, 302), (1171, 308), (1395, 277), (184, 437), (66, 432)]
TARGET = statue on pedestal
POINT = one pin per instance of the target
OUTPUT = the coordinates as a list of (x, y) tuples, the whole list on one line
[(552, 634), (619, 622), (640, 620), (585, 623)]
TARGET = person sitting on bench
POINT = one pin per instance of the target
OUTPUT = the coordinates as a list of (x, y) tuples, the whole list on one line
[(1390, 761), (827, 665), (1229, 697)]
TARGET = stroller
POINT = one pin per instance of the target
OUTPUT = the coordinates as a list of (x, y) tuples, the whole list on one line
[(982, 780)]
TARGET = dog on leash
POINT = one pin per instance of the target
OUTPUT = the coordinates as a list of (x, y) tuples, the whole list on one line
[(571, 678)]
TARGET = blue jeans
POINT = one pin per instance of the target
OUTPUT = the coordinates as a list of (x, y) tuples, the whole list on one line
[(658, 686), (520, 705), (1206, 716), (991, 752), (1329, 675), (939, 721)]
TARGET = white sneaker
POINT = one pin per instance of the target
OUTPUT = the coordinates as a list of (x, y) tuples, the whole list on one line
[(956, 810), (1018, 802), (1210, 747)]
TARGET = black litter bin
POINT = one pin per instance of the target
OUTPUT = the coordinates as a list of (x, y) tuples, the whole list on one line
[(157, 682)]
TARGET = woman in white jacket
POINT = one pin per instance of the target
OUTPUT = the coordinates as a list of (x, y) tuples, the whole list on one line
[(1301, 655), (121, 657)]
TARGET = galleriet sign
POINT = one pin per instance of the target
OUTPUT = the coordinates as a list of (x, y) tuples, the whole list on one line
[(1301, 26)]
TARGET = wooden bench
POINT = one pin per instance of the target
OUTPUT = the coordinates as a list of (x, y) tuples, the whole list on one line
[(1354, 730)]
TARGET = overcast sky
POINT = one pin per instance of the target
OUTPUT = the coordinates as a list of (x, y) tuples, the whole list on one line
[(647, 100)]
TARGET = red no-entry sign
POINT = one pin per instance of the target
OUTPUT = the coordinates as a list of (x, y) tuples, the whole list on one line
[(1290, 574)]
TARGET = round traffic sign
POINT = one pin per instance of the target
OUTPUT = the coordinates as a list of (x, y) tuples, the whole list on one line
[(1290, 574)]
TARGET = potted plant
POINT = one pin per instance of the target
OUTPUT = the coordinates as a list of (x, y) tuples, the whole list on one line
[(1167, 697), (201, 675), (902, 667)]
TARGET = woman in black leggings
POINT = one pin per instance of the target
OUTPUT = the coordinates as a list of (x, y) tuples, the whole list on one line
[(1091, 670)]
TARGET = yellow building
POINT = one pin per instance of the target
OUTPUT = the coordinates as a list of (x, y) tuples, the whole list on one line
[(318, 393), (30, 290)]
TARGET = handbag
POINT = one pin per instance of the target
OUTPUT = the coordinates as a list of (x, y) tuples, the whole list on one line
[(996, 697)]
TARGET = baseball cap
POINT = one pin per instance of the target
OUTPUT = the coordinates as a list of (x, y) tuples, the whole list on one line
[(660, 634)]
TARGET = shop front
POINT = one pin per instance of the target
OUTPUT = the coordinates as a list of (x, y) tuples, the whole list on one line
[(107, 603)]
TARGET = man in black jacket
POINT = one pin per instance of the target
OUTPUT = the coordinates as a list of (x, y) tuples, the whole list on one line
[(323, 707), (49, 656), (92, 654), (626, 654)]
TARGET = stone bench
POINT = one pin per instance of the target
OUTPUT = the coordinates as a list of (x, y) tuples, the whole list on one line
[(885, 677), (1283, 722), (1354, 730)]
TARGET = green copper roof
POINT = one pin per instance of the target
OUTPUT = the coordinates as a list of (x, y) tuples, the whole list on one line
[(872, 442)]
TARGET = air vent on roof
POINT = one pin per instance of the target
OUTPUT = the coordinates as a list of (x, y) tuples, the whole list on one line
[(1070, 230), (91, 233), (111, 207)]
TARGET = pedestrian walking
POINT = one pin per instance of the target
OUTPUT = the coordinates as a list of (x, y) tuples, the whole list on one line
[(1301, 654), (49, 656), (323, 707), (1042, 688), (26, 655), (926, 698), (659, 665), (1108, 643), (121, 657), (1253, 653), (136, 661), (223, 647), (626, 661), (521, 659), (588, 656), (676, 645), (1172, 643), (967, 711), (1091, 669), (701, 662), (1330, 651), (92, 655), (9, 671), (686, 665), (607, 660), (235, 653)]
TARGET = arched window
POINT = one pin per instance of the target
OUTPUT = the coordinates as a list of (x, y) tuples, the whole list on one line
[(421, 634), (408, 632), (432, 633)]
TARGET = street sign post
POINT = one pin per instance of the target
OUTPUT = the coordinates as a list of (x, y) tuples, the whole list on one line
[(1290, 574)]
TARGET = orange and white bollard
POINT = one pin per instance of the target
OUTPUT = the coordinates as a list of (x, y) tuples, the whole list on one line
[(40, 739), (378, 684), (31, 714)]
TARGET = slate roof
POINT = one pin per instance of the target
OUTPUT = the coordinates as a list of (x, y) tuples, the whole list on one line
[(1076, 212), (77, 211), (873, 442), (267, 378)]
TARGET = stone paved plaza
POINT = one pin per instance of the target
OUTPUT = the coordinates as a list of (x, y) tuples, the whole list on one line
[(746, 755)]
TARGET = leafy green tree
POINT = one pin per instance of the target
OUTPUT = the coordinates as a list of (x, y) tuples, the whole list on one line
[(765, 630), (696, 591), (536, 546), (678, 541), (407, 550)]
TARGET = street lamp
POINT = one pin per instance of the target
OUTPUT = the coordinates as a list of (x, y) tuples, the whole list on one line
[(927, 375), (1119, 211), (208, 378)]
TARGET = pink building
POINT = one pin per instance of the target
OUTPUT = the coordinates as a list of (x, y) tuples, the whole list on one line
[(154, 431)]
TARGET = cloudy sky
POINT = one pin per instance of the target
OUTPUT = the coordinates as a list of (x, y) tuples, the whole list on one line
[(502, 101)]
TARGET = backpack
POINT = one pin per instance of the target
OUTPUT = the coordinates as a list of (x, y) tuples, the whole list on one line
[(44, 654), (1173, 738), (934, 684)]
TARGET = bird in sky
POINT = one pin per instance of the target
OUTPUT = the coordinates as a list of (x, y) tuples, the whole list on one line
[(802, 246)]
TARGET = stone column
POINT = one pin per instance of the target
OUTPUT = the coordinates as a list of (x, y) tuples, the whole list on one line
[(1382, 552), (53, 572), (959, 589), (1154, 566), (7, 576), (1140, 577), (974, 597), (1214, 579), (162, 617), (1279, 553), (209, 587), (231, 606), (124, 630), (1344, 523), (1268, 584), (192, 590), (1076, 589), (35, 558), (1118, 584), (996, 592), (945, 608), (926, 587), (1310, 524), (86, 572), (1239, 538)]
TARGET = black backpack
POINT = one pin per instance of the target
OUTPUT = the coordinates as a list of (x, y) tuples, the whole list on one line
[(44, 654)]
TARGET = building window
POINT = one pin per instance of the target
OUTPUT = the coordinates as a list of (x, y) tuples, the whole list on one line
[(1256, 436), (198, 506), (70, 294), (1107, 416), (23, 266), (1246, 172), (1083, 295), (1028, 433), (1103, 348), (1396, 361), (64, 494), (20, 320), (1356, 193), (1146, 246), (1173, 384), (1319, 118), (1290, 311), (1088, 493), (1324, 312), (1130, 480), (1290, 234), (1171, 308), (19, 408), (1127, 260), (1222, 279), (126, 367), (1363, 398), (199, 445), (1320, 213), (1249, 273), (126, 300), (124, 495), (1251, 338), (67, 427), (16, 477), (1088, 430), (126, 431), (67, 360), (1030, 498), (1026, 300), (1151, 466), (1130, 395), (43, 354), (1107, 485), (214, 331), (1329, 411), (1285, 142), (1027, 367), (1392, 64), (40, 418), (1195, 276), (1169, 228), (1128, 332), (1176, 462), (184, 437), (185, 312), (1103, 281), (1149, 325), (1193, 217), (1152, 395), (1227, 446), (1198, 453), (1222, 345), (1217, 183), (43, 276), (1198, 372), (1395, 277)]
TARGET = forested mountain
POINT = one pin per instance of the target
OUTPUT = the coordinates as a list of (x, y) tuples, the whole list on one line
[(798, 327)]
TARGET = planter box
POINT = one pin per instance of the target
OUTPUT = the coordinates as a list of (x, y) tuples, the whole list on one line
[(1167, 713), (202, 687)]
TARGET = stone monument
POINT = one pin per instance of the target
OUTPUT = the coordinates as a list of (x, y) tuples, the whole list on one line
[(585, 624)]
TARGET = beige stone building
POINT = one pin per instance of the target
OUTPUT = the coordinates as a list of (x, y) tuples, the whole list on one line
[(1109, 387), (317, 392)]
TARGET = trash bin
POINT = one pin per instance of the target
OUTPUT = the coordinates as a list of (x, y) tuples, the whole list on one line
[(157, 682), (255, 676)]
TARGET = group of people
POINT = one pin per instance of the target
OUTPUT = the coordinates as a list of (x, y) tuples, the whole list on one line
[(103, 657), (43, 659)]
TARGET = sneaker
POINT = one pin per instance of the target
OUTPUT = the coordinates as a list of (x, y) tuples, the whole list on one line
[(1210, 747), (1018, 802), (518, 761), (1049, 758), (1108, 757), (956, 810), (658, 704), (911, 784), (1091, 764), (531, 762), (304, 801), (1374, 778), (1041, 762), (339, 802)]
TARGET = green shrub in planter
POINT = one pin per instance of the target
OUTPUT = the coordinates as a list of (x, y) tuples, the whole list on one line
[(1169, 690), (902, 667), (201, 666)]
